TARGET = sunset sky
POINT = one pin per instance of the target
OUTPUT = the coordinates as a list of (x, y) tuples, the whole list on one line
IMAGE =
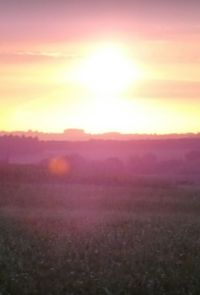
[(127, 66)]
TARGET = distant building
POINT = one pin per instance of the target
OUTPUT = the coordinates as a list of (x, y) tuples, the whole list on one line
[(75, 134)]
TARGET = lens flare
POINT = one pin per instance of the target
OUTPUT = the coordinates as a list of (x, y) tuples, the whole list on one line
[(59, 166)]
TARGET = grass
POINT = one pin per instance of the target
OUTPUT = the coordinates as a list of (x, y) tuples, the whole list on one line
[(87, 239)]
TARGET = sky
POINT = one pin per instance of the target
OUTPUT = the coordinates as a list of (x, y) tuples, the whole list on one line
[(127, 66)]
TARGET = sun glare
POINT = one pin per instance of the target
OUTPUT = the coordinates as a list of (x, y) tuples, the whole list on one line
[(102, 79), (107, 70)]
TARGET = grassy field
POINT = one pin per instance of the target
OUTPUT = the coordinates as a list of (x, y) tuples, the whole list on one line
[(92, 239)]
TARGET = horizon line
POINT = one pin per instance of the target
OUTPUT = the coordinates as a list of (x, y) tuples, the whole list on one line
[(79, 131)]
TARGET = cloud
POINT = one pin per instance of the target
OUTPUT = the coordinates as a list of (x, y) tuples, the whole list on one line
[(35, 56), (162, 89)]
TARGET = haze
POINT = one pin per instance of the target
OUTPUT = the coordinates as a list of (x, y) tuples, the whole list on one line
[(44, 42)]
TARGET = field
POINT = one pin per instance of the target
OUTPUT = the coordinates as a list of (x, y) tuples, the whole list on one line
[(99, 239)]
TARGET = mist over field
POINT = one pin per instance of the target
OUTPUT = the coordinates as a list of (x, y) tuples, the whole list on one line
[(99, 216)]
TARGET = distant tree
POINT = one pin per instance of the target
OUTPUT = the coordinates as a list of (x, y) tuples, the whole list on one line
[(193, 155), (114, 165)]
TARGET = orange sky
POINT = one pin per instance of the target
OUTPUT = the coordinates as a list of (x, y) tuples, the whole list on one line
[(42, 44)]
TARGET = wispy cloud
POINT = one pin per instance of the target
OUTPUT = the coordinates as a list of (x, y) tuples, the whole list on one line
[(162, 89), (35, 56)]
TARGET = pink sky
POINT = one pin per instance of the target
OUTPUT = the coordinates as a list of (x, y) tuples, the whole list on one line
[(40, 41)]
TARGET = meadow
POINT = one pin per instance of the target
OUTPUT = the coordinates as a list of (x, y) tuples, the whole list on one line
[(76, 239)]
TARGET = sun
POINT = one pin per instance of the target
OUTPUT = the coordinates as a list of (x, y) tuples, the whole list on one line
[(102, 80), (108, 70)]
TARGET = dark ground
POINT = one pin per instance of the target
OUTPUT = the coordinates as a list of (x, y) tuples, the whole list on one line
[(99, 239)]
